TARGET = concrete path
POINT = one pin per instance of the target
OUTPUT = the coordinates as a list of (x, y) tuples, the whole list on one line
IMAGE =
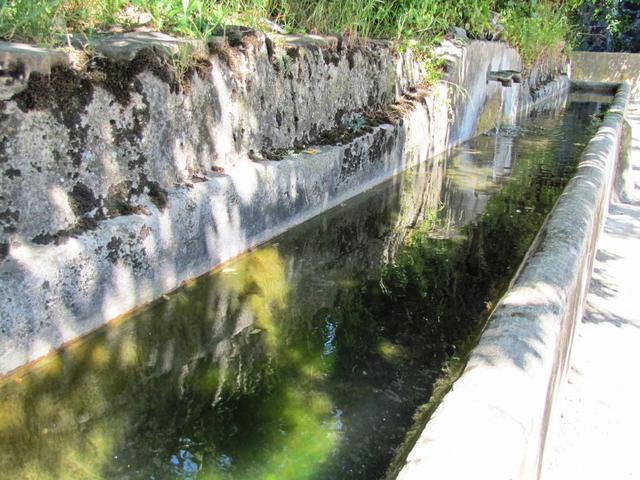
[(595, 428)]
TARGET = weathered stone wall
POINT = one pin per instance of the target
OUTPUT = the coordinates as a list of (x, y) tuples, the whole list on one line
[(78, 147), (120, 181)]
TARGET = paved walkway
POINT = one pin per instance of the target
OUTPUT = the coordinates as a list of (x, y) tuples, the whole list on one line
[(595, 430)]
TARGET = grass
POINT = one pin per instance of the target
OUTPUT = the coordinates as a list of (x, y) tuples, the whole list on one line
[(543, 29), (533, 26)]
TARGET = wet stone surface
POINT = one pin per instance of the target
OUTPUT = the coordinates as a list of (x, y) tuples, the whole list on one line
[(307, 357)]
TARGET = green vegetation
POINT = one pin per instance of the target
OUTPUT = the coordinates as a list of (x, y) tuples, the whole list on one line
[(609, 25), (534, 26)]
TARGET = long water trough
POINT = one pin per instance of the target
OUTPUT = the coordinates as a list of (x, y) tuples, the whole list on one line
[(308, 356)]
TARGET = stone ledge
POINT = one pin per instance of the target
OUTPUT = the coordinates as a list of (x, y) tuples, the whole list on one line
[(125, 46), (492, 424), (19, 60)]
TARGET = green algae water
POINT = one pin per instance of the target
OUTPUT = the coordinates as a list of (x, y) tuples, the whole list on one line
[(306, 358)]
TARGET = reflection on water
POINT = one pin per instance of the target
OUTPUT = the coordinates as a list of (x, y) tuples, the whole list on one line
[(307, 357)]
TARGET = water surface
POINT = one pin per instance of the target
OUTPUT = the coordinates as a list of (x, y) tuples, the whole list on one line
[(307, 357)]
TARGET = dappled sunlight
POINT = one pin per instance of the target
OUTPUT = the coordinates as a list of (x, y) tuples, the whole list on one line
[(247, 176), (224, 236), (122, 293), (598, 164), (623, 220), (391, 351), (62, 212), (612, 299), (540, 293), (261, 280), (102, 380)]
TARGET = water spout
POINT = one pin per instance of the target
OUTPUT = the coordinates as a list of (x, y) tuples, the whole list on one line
[(506, 77)]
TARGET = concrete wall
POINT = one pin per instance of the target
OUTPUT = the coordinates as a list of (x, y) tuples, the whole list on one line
[(607, 67), (492, 423), (119, 182)]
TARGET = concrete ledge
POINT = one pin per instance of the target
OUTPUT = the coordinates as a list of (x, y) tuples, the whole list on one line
[(125, 46), (493, 422), (594, 87)]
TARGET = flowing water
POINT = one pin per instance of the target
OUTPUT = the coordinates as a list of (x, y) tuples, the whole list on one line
[(307, 357)]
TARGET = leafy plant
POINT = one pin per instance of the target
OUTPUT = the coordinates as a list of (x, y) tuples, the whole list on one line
[(181, 61), (356, 124), (538, 30), (284, 64)]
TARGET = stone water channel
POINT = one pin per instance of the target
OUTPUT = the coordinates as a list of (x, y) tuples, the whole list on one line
[(307, 357)]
